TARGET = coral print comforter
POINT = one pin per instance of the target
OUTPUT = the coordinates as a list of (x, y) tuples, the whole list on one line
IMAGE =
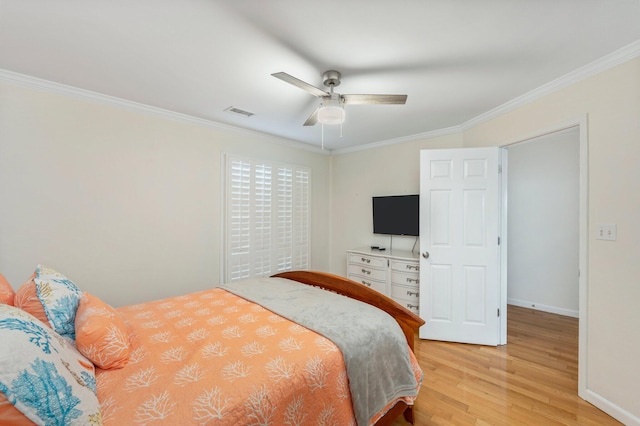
[(216, 358)]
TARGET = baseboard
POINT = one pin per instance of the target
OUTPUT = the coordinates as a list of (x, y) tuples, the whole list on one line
[(611, 409), (544, 308)]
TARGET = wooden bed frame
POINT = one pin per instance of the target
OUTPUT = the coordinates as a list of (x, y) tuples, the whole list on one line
[(408, 321)]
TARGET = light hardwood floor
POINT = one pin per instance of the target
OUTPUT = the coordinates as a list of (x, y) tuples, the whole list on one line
[(533, 380)]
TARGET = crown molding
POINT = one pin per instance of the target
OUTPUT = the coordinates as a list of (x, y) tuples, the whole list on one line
[(30, 82), (620, 56), (624, 54), (411, 138)]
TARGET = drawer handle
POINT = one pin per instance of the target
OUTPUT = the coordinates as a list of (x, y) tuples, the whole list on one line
[(416, 267), (366, 271), (366, 283), (410, 306), (412, 280), (364, 259), (413, 293)]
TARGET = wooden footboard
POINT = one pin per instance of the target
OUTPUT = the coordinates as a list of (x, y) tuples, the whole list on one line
[(408, 321)]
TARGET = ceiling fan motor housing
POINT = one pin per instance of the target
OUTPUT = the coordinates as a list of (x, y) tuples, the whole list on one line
[(331, 78)]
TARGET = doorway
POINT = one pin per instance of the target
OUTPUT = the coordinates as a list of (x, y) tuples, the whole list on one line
[(580, 124), (543, 211)]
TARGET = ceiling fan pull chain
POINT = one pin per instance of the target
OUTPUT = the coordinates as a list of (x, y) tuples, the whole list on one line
[(322, 125), (340, 129)]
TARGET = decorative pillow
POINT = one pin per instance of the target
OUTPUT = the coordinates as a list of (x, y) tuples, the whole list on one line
[(101, 334), (27, 300), (58, 296), (42, 375), (6, 291)]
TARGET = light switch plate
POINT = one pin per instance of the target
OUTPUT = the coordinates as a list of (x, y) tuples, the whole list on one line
[(607, 231)]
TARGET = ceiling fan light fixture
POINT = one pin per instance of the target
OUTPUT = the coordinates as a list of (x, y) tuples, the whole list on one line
[(331, 112), (331, 109)]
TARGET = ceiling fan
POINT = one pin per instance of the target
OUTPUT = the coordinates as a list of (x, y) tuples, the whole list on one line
[(331, 109)]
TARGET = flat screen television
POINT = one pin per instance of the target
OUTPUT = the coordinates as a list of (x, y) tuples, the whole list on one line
[(396, 215)]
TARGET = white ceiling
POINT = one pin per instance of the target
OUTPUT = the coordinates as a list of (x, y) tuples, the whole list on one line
[(455, 59)]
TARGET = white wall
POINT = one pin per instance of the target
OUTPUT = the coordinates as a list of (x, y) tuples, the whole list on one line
[(126, 204), (543, 189)]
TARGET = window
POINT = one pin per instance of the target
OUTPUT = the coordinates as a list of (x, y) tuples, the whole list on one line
[(266, 218)]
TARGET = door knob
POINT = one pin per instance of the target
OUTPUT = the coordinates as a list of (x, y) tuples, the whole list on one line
[(425, 254)]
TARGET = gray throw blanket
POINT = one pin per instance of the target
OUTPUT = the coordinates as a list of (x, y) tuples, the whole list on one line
[(372, 343)]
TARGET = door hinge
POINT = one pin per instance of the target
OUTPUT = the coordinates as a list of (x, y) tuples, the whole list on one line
[(498, 240), (499, 168), (498, 312)]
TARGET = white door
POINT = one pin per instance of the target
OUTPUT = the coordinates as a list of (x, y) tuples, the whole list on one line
[(460, 254)]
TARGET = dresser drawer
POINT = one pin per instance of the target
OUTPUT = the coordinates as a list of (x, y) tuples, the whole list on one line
[(410, 294), (401, 266), (379, 286), (411, 280), (410, 305), (371, 261), (367, 272)]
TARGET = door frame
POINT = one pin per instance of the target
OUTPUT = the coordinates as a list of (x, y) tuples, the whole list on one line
[(583, 236)]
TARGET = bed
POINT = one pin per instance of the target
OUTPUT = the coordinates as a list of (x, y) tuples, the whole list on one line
[(279, 350)]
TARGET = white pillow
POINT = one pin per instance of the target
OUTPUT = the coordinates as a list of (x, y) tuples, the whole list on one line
[(42, 375)]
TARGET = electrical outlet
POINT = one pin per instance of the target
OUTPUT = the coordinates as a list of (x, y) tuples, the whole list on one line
[(607, 231)]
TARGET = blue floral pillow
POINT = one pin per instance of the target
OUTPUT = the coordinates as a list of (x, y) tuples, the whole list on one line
[(60, 298), (42, 375)]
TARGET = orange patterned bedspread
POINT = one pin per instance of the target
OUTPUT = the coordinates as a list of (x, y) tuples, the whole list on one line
[(215, 358)]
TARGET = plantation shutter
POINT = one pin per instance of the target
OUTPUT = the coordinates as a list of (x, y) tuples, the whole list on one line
[(266, 217)]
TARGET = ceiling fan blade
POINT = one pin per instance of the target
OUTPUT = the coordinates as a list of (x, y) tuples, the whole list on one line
[(374, 99), (299, 83), (313, 118)]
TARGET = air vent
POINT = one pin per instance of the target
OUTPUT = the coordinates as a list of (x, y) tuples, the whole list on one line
[(239, 111)]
